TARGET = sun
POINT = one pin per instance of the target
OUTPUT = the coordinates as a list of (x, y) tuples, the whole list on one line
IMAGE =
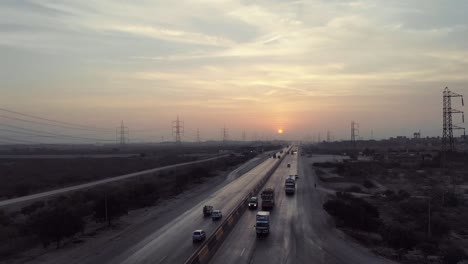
[(280, 131)]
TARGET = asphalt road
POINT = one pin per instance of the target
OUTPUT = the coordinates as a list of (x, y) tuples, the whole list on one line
[(300, 230), (43, 195), (172, 243)]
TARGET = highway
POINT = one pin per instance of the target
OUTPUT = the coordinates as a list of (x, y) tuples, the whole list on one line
[(301, 231), (171, 242), (42, 195)]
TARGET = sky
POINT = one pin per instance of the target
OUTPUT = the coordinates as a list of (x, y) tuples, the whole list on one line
[(306, 67)]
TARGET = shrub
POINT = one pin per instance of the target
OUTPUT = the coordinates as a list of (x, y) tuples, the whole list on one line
[(32, 207), (398, 236), (354, 213), (368, 184), (354, 188), (453, 255), (54, 224)]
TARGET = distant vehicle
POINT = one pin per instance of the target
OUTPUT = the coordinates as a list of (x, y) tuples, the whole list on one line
[(198, 235), (216, 215), (289, 165), (290, 185), (268, 198), (253, 203), (207, 210), (274, 156), (262, 224)]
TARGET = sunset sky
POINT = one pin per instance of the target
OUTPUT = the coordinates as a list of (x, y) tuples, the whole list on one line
[(302, 66)]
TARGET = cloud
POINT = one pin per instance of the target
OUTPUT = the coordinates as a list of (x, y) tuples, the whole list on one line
[(172, 35), (234, 54)]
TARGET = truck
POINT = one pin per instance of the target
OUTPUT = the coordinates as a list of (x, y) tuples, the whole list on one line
[(290, 185), (268, 198), (207, 210), (262, 225)]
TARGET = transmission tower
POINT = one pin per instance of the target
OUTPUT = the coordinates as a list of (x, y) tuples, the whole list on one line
[(448, 127), (354, 133), (122, 134), (177, 130), (225, 135)]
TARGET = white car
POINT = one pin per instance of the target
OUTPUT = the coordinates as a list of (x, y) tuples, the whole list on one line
[(198, 235), (216, 215)]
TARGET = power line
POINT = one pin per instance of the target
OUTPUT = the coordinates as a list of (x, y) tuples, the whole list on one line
[(42, 123), (54, 134), (77, 126), (20, 140)]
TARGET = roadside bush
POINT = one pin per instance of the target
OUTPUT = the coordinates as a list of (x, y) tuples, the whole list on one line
[(402, 195), (55, 224), (439, 226), (398, 236), (32, 207), (413, 207), (4, 218), (453, 255), (354, 188), (368, 184), (111, 205), (452, 200), (354, 213)]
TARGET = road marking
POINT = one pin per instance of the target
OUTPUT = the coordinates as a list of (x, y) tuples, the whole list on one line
[(242, 253)]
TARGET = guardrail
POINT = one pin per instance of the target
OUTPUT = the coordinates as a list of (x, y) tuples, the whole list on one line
[(204, 253)]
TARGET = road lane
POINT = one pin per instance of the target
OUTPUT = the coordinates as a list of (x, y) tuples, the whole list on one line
[(242, 242), (172, 242), (301, 231)]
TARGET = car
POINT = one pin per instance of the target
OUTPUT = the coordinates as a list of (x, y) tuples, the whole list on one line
[(216, 215), (253, 202), (198, 235)]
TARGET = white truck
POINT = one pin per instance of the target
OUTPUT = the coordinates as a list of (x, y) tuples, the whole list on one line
[(262, 225)]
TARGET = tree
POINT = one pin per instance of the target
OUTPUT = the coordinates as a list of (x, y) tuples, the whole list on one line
[(453, 255), (109, 206), (54, 224), (398, 236)]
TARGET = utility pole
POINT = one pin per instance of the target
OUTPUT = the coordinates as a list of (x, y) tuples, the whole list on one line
[(122, 134), (328, 136), (198, 135), (429, 216), (178, 130), (243, 135)]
